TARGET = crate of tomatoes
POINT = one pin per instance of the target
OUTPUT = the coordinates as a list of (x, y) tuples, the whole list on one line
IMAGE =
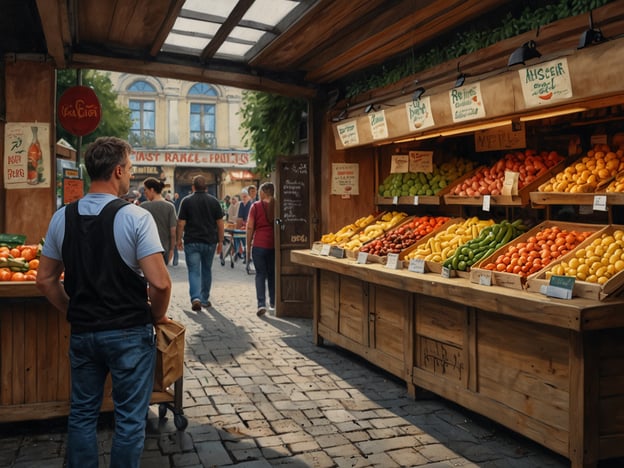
[(19, 262)]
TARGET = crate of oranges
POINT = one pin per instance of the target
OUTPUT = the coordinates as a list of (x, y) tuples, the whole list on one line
[(19, 263), (513, 263), (597, 264)]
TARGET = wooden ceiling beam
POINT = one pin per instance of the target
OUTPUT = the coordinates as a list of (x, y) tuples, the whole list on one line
[(226, 28), (55, 23), (167, 25)]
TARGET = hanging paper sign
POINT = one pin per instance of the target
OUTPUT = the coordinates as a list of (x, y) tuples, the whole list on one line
[(510, 184), (348, 133), (545, 83), (399, 163), (419, 114), (421, 161), (378, 124), (79, 110), (467, 103), (345, 179), (501, 138), (27, 155)]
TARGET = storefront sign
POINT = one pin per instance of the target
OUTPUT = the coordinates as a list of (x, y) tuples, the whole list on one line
[(345, 179), (348, 133), (26, 155), (79, 110), (419, 114), (238, 159), (467, 103), (545, 83), (378, 124)]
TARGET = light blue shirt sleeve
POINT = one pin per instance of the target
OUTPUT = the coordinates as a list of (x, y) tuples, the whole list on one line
[(135, 231)]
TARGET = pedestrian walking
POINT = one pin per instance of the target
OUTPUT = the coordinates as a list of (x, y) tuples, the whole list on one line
[(115, 288), (200, 232), (260, 240), (164, 214)]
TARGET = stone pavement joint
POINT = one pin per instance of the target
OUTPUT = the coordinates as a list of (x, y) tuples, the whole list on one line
[(258, 393)]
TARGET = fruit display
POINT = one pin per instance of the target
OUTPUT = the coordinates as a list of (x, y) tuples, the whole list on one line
[(443, 244), (353, 236), (536, 251), (529, 164), (590, 173), (595, 263), (425, 183), (490, 239), (19, 263), (404, 236)]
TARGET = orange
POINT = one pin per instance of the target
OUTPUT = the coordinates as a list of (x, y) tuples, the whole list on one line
[(18, 276), (15, 252), (33, 264), (28, 253), (5, 274)]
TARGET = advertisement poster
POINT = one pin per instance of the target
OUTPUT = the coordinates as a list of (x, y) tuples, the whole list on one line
[(348, 133), (379, 126), (419, 114), (345, 179), (467, 103), (545, 83), (26, 155)]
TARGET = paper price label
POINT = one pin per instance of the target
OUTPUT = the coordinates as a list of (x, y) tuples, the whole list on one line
[(395, 200), (446, 272), (325, 250), (393, 261), (600, 203), (416, 265), (485, 278), (362, 258), (486, 203), (510, 184), (415, 199)]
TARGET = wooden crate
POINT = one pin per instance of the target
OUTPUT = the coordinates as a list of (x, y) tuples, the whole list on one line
[(593, 291), (513, 280)]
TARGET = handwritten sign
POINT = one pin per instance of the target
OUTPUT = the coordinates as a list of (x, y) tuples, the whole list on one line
[(419, 115), (293, 202), (345, 179), (378, 124), (545, 83), (501, 138), (79, 110), (510, 184), (421, 161), (348, 133), (467, 103), (399, 163)]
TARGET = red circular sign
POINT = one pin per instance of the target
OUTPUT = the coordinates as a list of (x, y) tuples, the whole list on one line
[(79, 110)]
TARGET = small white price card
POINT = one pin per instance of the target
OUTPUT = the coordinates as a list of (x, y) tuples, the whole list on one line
[(393, 261), (510, 184), (486, 203), (362, 257), (600, 203), (416, 265), (446, 272), (415, 199), (485, 278), (325, 249), (395, 200)]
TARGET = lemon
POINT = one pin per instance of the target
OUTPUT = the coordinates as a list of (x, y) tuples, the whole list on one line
[(618, 265), (618, 234), (602, 280)]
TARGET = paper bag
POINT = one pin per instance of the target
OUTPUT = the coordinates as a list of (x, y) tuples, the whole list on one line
[(170, 355)]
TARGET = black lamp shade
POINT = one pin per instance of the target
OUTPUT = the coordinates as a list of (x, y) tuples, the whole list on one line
[(526, 52), (589, 37)]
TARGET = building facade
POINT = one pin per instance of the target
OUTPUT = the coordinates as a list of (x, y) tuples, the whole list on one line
[(181, 129)]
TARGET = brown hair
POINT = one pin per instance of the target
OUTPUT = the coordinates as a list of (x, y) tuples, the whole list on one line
[(104, 154), (154, 183), (269, 189)]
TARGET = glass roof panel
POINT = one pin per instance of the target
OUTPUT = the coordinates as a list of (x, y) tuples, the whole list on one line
[(182, 40), (235, 49), (221, 8), (269, 12)]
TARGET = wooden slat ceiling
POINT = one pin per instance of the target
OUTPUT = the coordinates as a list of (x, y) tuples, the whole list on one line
[(316, 44)]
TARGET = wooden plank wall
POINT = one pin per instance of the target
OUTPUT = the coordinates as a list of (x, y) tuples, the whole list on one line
[(29, 97)]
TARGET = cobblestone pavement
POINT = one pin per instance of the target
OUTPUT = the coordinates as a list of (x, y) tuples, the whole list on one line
[(258, 393)]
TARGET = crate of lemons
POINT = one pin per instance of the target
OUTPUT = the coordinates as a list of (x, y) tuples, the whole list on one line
[(353, 236)]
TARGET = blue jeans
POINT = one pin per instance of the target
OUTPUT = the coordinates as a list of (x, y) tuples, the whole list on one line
[(264, 262), (199, 259), (130, 356), (176, 255)]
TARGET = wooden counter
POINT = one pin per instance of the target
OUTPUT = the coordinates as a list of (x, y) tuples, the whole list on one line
[(34, 361), (550, 369)]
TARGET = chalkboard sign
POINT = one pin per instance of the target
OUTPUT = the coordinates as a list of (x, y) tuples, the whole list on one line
[(294, 202)]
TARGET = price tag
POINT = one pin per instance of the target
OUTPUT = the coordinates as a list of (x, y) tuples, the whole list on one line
[(416, 265), (395, 200), (316, 248), (485, 278), (446, 272), (600, 203), (337, 252), (486, 203), (560, 287), (510, 184), (362, 258), (415, 199), (393, 261), (325, 250)]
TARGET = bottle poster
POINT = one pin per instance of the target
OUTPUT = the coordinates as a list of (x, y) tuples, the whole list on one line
[(27, 155)]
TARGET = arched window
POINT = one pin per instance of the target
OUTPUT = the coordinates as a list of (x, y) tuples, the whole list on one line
[(202, 120), (143, 114)]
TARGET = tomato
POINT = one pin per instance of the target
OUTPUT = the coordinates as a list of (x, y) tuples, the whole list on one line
[(5, 274)]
